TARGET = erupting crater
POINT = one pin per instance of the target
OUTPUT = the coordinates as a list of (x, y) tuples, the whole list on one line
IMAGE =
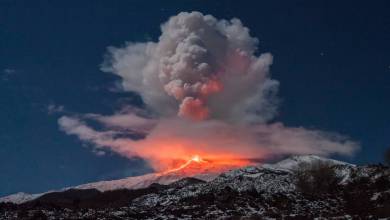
[(203, 167), (198, 165)]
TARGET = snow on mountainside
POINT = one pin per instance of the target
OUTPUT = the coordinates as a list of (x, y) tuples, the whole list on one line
[(273, 179), (293, 162), (272, 191), (269, 191), (20, 197), (144, 181), (343, 169), (206, 173)]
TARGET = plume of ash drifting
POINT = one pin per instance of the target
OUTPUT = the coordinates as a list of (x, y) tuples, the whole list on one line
[(200, 68), (210, 94)]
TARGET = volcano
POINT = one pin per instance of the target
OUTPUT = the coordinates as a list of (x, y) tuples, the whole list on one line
[(195, 167), (267, 191)]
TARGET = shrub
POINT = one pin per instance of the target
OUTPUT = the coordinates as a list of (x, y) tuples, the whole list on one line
[(387, 156), (358, 202), (316, 178)]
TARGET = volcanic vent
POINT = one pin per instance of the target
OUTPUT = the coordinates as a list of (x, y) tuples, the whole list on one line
[(197, 165)]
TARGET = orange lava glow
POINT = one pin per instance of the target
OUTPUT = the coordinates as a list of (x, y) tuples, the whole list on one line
[(197, 159), (197, 163), (173, 144), (173, 154)]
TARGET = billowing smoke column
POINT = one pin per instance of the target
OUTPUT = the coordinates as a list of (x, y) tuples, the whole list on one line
[(207, 92), (200, 68)]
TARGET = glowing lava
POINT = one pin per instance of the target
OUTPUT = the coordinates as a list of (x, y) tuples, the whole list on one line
[(196, 164), (195, 158)]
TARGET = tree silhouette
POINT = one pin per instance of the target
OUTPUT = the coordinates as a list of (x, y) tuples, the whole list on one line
[(387, 156)]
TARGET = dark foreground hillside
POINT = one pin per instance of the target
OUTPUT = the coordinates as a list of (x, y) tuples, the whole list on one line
[(296, 189)]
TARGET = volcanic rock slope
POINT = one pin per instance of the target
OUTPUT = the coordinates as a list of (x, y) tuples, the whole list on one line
[(205, 171), (270, 191)]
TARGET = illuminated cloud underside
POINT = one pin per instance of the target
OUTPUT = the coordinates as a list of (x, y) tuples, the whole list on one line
[(207, 93)]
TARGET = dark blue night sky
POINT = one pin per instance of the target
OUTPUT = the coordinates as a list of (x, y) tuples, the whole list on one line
[(332, 59)]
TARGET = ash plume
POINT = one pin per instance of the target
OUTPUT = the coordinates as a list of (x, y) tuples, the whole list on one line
[(207, 91), (200, 68)]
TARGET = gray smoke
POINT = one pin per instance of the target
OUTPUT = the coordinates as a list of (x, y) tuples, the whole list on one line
[(210, 94)]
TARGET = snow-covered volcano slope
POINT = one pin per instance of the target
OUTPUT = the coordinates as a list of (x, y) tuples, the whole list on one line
[(267, 178), (268, 191), (20, 197), (293, 162), (204, 172)]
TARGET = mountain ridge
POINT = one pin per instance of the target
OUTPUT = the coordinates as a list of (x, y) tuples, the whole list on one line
[(143, 181), (341, 191)]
